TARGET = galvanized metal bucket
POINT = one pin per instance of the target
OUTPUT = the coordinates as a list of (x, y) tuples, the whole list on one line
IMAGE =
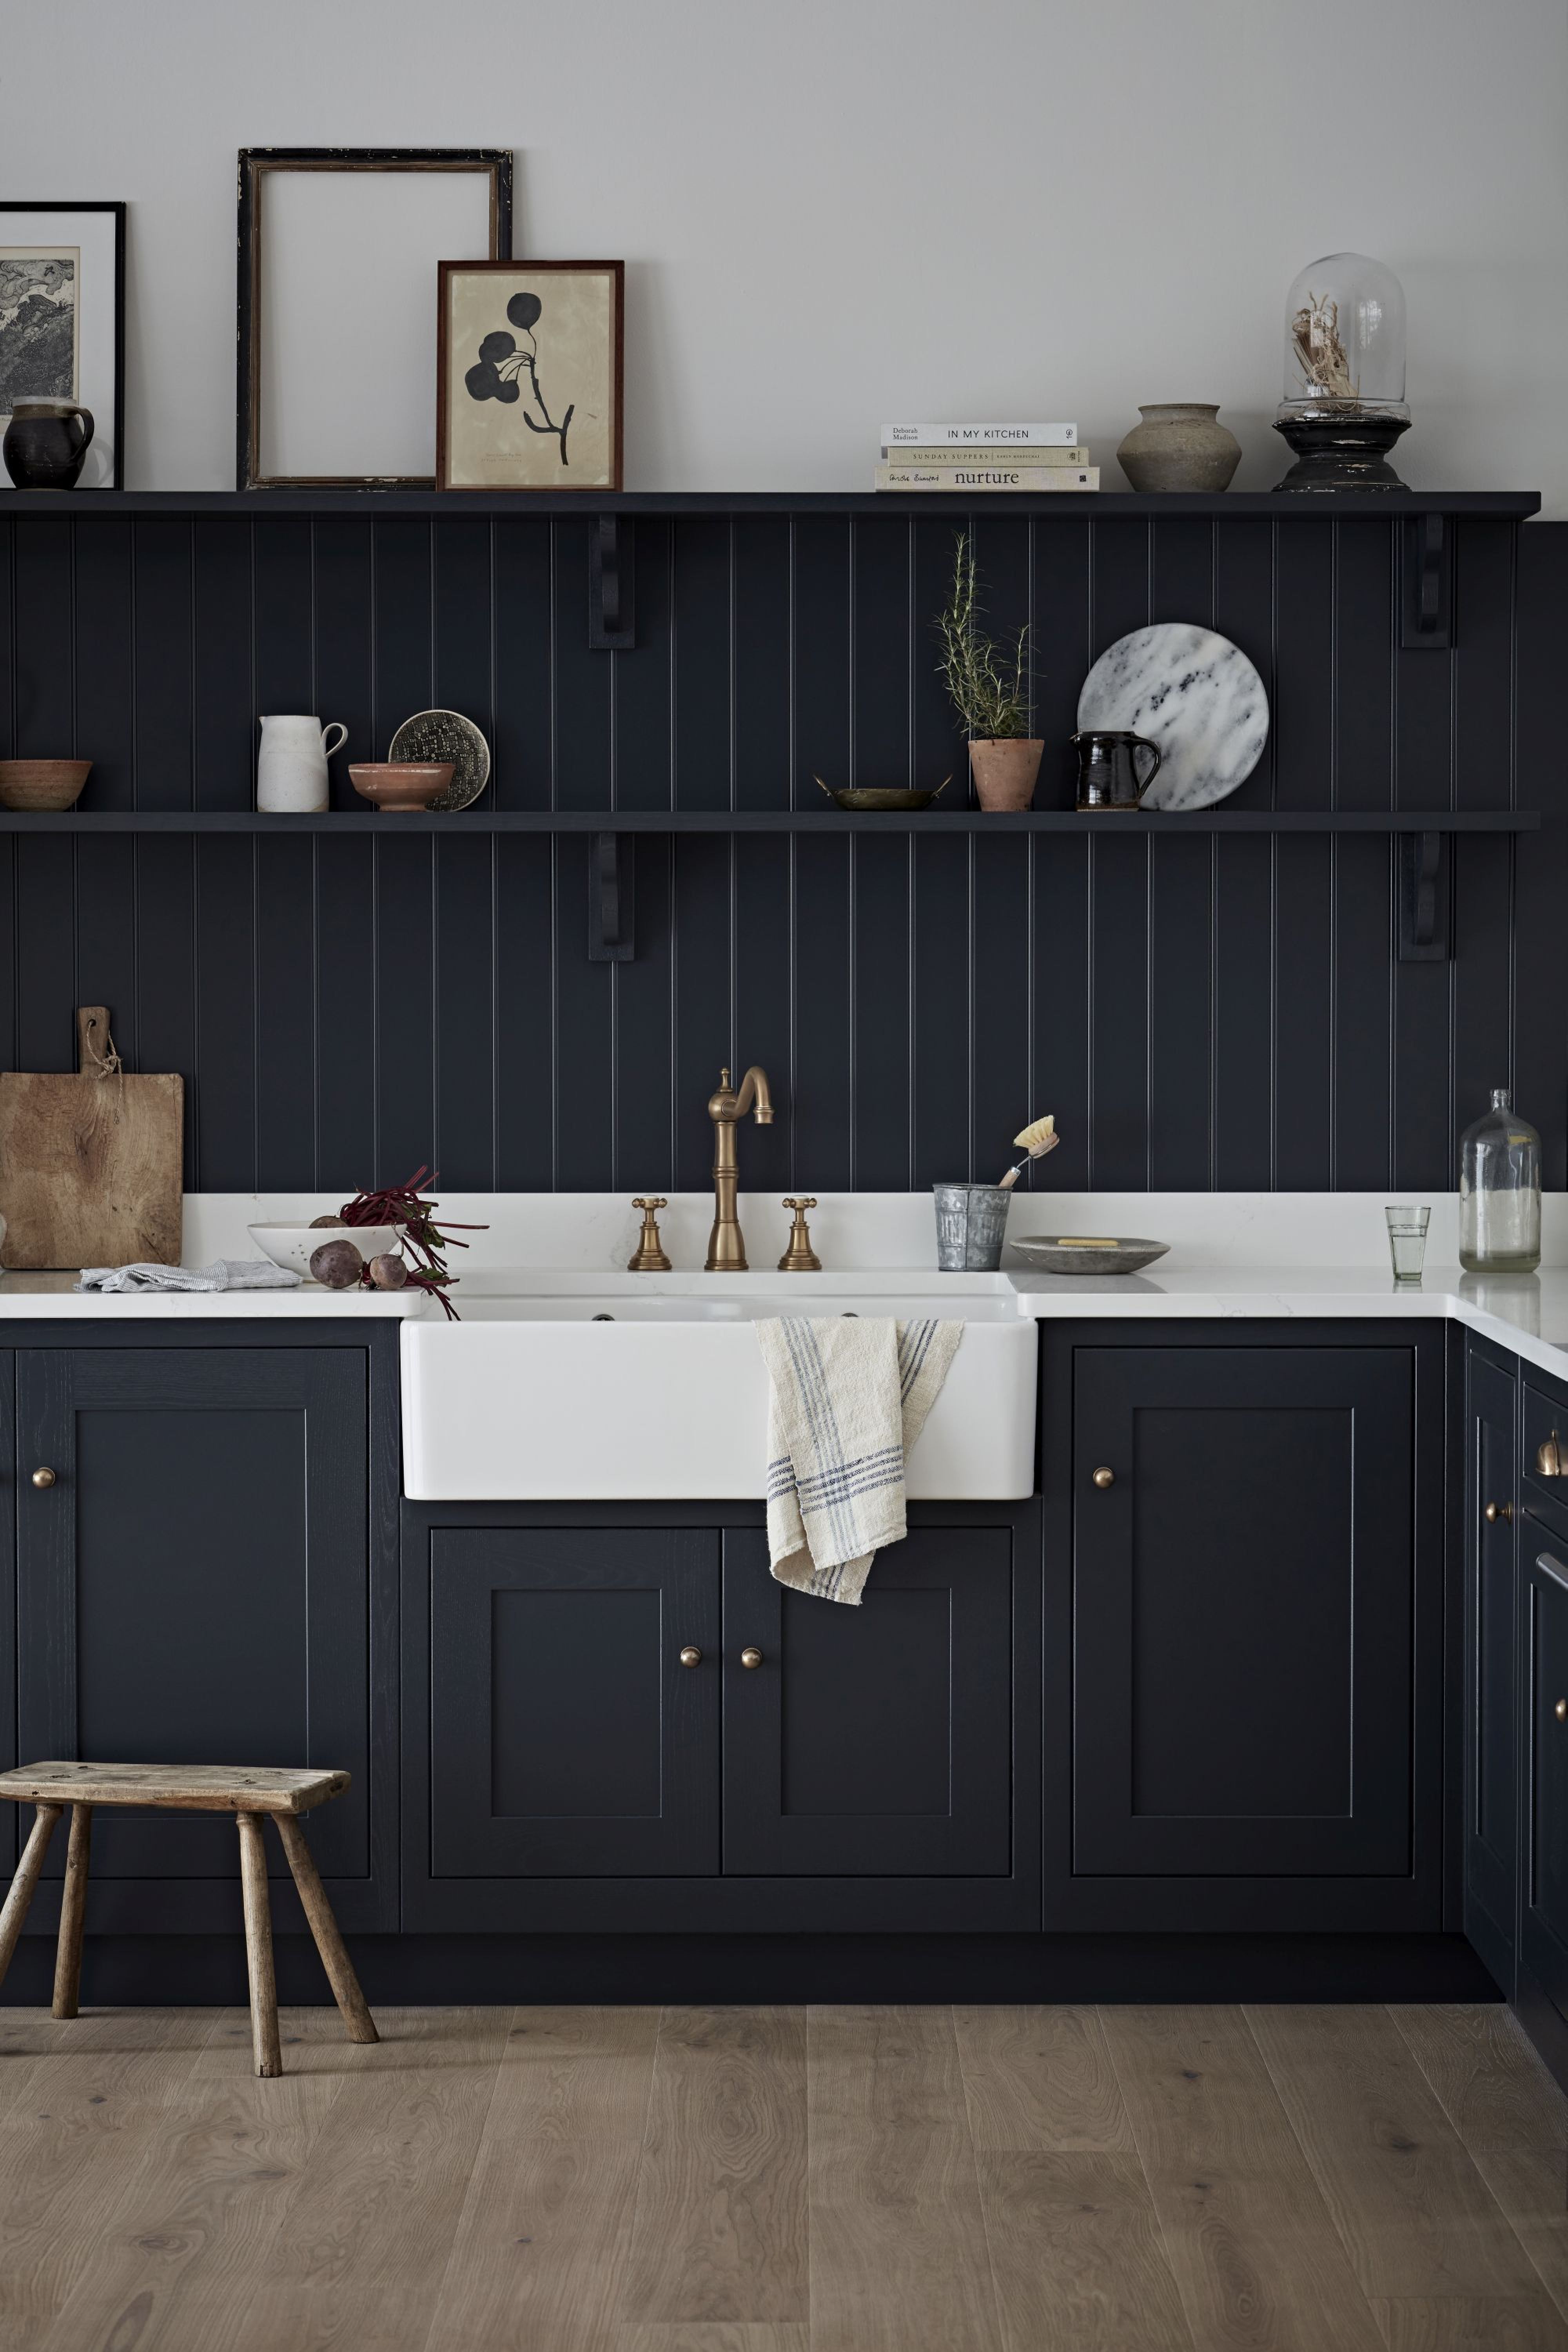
[(971, 1220)]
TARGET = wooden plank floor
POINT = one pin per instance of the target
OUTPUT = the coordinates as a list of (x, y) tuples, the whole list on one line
[(784, 2179)]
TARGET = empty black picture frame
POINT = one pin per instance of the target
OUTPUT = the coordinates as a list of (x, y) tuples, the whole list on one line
[(254, 163), (118, 211)]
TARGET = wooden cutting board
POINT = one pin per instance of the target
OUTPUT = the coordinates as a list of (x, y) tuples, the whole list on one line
[(90, 1166)]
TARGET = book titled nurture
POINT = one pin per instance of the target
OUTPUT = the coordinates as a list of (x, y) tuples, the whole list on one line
[(990, 474)]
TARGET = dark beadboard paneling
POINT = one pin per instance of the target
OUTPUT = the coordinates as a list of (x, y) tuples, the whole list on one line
[(1199, 1012)]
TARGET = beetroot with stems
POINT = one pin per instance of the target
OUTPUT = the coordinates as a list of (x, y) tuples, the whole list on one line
[(338, 1265), (388, 1272), (411, 1209)]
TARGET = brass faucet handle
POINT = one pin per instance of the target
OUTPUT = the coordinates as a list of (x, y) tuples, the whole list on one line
[(800, 1257), (649, 1257)]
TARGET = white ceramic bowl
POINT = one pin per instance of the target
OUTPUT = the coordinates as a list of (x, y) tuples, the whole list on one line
[(290, 1245)]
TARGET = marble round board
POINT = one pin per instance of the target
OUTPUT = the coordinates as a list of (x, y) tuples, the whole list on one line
[(1192, 693)]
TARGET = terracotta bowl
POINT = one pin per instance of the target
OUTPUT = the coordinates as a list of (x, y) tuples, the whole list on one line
[(402, 784), (42, 783)]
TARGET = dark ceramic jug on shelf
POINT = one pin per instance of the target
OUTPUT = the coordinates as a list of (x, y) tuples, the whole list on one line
[(1108, 774), (46, 443)]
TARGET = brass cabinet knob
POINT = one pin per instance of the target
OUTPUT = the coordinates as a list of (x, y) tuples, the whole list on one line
[(1496, 1511), (43, 1477), (750, 1657), (690, 1657), (1561, 1710), (1104, 1478)]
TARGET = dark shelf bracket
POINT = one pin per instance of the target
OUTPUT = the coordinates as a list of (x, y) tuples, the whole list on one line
[(612, 906), (1425, 932), (612, 603), (1426, 581)]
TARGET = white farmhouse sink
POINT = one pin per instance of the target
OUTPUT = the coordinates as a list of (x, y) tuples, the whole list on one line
[(532, 1398)]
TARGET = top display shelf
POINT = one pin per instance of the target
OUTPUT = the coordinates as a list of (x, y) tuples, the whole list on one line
[(1064, 504)]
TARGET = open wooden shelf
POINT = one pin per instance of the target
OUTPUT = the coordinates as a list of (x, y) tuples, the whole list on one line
[(804, 820), (58, 506)]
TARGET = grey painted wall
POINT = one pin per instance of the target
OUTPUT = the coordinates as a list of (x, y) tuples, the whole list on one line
[(831, 213)]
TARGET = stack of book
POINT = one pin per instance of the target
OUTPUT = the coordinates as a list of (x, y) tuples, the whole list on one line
[(980, 457)]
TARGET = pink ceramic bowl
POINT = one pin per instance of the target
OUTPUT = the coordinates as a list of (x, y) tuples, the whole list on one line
[(402, 784)]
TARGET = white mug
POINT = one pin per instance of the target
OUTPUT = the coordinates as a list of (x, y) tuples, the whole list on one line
[(291, 767)]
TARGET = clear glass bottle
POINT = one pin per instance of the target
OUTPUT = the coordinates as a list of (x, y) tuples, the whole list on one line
[(1499, 1191)]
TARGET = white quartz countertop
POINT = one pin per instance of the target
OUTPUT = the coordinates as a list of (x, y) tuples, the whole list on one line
[(1526, 1313), (35, 1297)]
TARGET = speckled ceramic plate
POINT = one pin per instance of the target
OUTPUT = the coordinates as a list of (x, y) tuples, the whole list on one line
[(1087, 1253), (445, 735)]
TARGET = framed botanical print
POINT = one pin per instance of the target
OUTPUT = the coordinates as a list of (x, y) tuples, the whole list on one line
[(62, 321), (528, 375), (338, 253)]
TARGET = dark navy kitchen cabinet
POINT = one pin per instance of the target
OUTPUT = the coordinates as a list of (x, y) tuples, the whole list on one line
[(569, 1737), (877, 1741), (1254, 1618), (1543, 1907), (807, 1766), (1491, 1725), (194, 1585)]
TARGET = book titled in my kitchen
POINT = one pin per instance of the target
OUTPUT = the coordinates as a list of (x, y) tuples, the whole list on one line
[(978, 437), (986, 474)]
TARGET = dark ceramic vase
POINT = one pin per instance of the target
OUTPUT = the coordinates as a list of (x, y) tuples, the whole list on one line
[(46, 443)]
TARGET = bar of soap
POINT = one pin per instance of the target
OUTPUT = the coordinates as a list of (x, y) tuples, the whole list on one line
[(1080, 1241)]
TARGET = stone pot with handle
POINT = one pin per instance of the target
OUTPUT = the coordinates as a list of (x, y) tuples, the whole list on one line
[(291, 768)]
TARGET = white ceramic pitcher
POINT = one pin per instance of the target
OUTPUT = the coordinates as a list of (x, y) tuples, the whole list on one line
[(291, 767)]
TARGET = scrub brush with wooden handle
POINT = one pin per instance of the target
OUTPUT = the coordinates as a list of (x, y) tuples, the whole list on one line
[(1035, 1141)]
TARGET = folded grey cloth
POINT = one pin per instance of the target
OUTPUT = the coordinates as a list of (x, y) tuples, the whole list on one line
[(848, 1398), (224, 1274)]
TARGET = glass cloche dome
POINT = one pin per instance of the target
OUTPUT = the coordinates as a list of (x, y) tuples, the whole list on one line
[(1343, 407), (1345, 338)]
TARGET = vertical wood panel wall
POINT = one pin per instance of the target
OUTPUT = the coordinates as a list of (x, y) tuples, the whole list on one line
[(1204, 1012)]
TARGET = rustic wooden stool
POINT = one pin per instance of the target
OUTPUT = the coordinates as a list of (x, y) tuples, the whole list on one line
[(249, 1792)]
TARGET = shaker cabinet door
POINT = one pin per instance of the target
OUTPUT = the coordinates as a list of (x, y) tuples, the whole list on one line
[(1543, 1919), (878, 1742), (1491, 1745), (566, 1737), (1243, 1611), (192, 1587)]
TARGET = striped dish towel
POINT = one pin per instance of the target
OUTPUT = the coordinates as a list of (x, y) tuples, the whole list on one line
[(848, 1398)]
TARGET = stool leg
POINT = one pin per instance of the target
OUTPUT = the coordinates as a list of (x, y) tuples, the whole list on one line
[(259, 1946), (15, 1909), (324, 1927), (73, 1913)]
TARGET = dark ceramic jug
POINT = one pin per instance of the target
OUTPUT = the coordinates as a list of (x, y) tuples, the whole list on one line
[(1108, 774), (46, 443)]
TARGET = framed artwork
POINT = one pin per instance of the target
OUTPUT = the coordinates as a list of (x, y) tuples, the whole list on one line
[(62, 321), (338, 249), (528, 375)]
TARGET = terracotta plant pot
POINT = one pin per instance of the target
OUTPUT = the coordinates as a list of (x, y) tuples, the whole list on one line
[(1006, 769), (42, 783)]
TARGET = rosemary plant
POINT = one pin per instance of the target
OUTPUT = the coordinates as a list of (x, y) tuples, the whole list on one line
[(989, 683)]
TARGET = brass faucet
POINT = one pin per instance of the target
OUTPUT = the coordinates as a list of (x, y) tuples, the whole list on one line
[(726, 1107)]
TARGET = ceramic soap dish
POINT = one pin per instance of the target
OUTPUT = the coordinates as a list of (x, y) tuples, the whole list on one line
[(1087, 1254)]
